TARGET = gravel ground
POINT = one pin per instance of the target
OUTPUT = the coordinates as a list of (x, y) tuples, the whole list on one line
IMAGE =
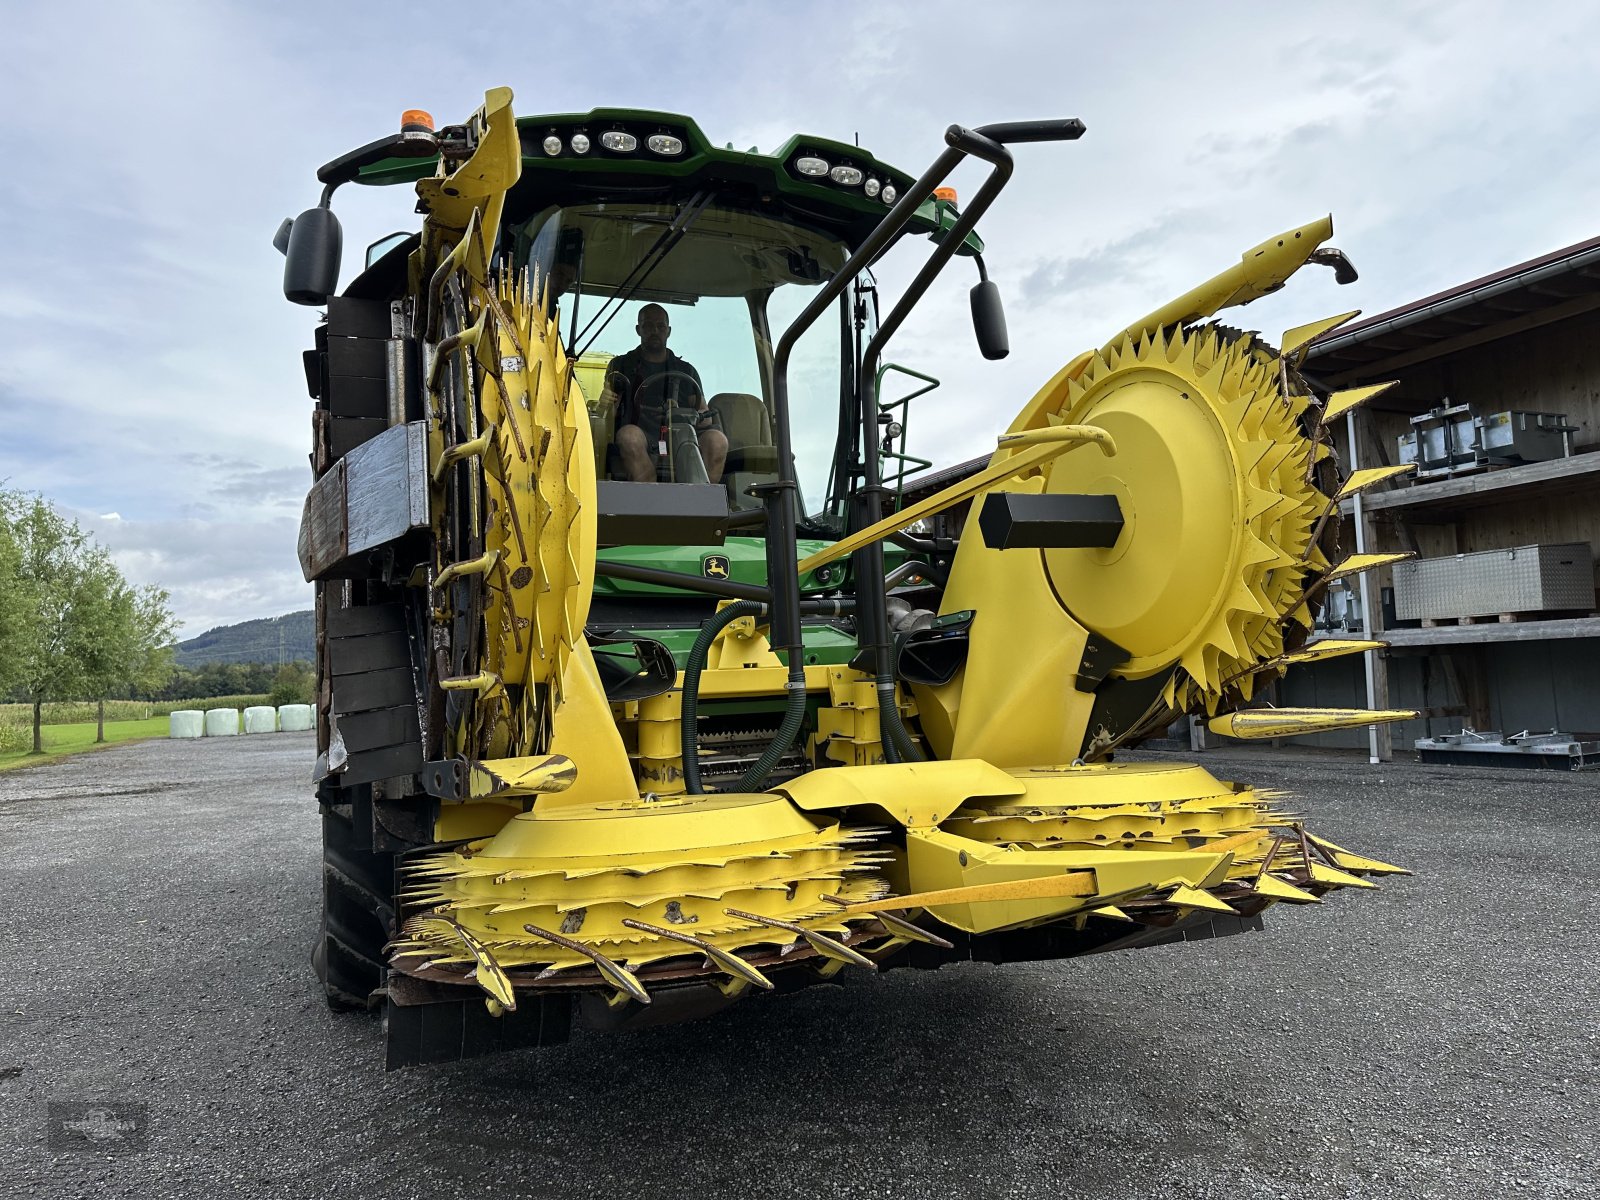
[(1435, 1039)]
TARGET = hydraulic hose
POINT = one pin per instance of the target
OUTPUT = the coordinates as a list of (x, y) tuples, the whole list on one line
[(689, 740), (891, 726), (794, 715), (794, 711)]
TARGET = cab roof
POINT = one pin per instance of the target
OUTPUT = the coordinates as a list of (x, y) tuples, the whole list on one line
[(686, 163)]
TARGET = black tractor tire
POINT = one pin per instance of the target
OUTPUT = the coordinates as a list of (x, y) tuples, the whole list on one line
[(357, 914)]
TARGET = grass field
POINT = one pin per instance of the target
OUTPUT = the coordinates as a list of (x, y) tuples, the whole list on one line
[(77, 737), (73, 712)]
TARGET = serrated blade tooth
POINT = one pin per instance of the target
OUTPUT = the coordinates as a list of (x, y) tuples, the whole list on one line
[(1356, 564), (1368, 477), (1340, 403), (1297, 340)]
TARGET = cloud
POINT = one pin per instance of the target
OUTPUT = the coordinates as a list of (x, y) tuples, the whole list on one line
[(150, 368), (219, 569), (1133, 261)]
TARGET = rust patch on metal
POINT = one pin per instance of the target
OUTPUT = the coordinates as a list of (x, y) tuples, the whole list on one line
[(675, 914)]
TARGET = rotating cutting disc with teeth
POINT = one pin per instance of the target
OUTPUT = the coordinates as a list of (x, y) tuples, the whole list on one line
[(1182, 823), (528, 467), (737, 893), (1092, 815), (1216, 479)]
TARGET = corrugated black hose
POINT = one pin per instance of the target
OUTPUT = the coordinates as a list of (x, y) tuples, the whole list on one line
[(794, 711), (794, 716), (689, 741), (893, 728)]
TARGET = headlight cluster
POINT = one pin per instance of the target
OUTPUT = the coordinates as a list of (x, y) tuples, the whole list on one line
[(812, 166), (617, 141)]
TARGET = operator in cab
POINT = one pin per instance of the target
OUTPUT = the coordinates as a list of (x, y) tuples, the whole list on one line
[(651, 383)]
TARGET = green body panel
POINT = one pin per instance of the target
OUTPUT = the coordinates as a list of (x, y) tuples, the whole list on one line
[(746, 563), (746, 559), (825, 646)]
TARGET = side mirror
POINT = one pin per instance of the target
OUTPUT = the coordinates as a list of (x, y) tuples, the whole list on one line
[(1344, 271), (312, 244), (385, 244), (989, 320)]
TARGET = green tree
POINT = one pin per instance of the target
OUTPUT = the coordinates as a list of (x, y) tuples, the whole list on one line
[(76, 621), (14, 631), (123, 643), (14, 624), (295, 683)]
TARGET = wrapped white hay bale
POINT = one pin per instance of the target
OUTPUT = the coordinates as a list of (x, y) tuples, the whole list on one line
[(294, 718), (186, 723), (261, 718), (222, 722)]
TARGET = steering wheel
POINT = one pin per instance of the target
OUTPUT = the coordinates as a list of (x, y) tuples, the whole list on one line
[(671, 408), (686, 424)]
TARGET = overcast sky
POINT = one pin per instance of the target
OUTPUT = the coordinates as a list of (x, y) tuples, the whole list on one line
[(150, 379)]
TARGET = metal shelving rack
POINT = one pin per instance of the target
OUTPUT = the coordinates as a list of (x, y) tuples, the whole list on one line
[(1521, 338)]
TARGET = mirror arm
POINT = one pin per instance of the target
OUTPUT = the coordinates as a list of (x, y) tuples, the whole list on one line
[(406, 144), (963, 142)]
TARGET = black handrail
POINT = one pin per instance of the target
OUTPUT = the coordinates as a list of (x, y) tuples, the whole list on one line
[(783, 578), (872, 618)]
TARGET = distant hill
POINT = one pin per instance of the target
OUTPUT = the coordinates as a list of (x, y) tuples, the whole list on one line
[(268, 640)]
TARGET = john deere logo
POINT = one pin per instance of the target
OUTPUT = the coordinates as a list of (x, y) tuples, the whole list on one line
[(714, 566)]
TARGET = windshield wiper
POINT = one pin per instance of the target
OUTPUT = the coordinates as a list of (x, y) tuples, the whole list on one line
[(653, 258)]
